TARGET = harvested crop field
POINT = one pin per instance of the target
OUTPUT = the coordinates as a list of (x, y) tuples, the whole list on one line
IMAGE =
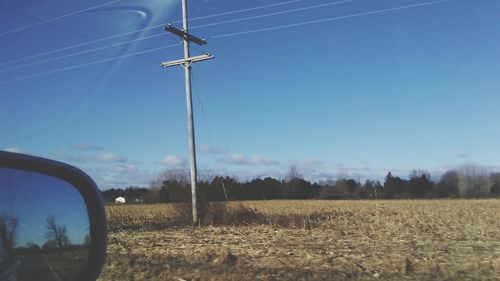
[(309, 240)]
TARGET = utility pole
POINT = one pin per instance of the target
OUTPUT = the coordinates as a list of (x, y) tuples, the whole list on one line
[(186, 63)]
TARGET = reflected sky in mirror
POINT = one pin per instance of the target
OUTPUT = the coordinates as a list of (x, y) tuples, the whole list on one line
[(35, 199)]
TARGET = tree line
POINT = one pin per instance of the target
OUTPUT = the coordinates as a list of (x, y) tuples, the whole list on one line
[(56, 236), (174, 186)]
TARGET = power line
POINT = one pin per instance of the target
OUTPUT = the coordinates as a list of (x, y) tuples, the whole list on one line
[(328, 19), (56, 18), (212, 147), (236, 34), (274, 13), (245, 10), (8, 9), (200, 103), (157, 35), (144, 29), (88, 63), (79, 53)]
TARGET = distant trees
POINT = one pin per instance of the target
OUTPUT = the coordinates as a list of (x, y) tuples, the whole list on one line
[(32, 247), (8, 232), (371, 190), (420, 185), (464, 182), (495, 185), (56, 235), (175, 186), (131, 194), (448, 185), (221, 188), (347, 189), (292, 173), (394, 187), (473, 182)]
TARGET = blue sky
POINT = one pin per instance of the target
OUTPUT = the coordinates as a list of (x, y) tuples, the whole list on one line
[(371, 87)]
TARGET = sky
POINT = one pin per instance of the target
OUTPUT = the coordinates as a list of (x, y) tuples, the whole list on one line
[(338, 88)]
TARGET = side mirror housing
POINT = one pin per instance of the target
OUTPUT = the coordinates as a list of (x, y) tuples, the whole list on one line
[(52, 221)]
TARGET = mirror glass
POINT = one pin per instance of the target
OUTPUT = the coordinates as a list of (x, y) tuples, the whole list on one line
[(44, 227)]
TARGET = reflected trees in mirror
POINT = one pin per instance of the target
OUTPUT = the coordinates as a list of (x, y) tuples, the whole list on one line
[(57, 235), (8, 229), (44, 227)]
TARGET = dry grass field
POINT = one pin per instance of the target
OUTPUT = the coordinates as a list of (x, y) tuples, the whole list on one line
[(309, 240)]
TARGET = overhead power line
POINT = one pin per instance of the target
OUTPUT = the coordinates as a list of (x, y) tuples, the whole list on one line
[(157, 35), (88, 63), (80, 53), (328, 19), (144, 29), (274, 13), (212, 147), (244, 10), (235, 34), (54, 25), (56, 18)]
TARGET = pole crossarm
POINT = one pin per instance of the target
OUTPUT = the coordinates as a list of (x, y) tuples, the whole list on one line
[(184, 35), (187, 61)]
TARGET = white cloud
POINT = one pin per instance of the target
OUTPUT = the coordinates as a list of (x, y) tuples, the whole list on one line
[(316, 170), (240, 159), (100, 157), (109, 170), (124, 168), (108, 157), (13, 149), (63, 156), (237, 159), (357, 172), (307, 165), (86, 147), (120, 176), (260, 160), (212, 150), (172, 161)]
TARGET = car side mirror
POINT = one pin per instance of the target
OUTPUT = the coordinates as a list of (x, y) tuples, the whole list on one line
[(52, 221)]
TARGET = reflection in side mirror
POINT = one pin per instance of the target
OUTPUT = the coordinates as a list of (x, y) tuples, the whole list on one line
[(46, 226)]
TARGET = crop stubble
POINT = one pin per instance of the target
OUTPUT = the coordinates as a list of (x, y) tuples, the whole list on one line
[(311, 240)]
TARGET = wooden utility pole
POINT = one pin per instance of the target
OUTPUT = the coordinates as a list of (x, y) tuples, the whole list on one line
[(186, 63)]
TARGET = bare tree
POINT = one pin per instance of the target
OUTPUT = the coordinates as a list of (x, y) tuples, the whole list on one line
[(8, 228), (473, 181), (419, 173), (292, 173), (448, 185), (56, 234), (175, 175), (206, 175)]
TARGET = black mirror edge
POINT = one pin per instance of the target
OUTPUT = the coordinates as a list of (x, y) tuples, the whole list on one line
[(89, 191)]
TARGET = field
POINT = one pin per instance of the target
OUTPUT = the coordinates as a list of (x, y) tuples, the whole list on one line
[(310, 240)]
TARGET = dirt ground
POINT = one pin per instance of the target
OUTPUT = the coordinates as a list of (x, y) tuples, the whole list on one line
[(391, 240)]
